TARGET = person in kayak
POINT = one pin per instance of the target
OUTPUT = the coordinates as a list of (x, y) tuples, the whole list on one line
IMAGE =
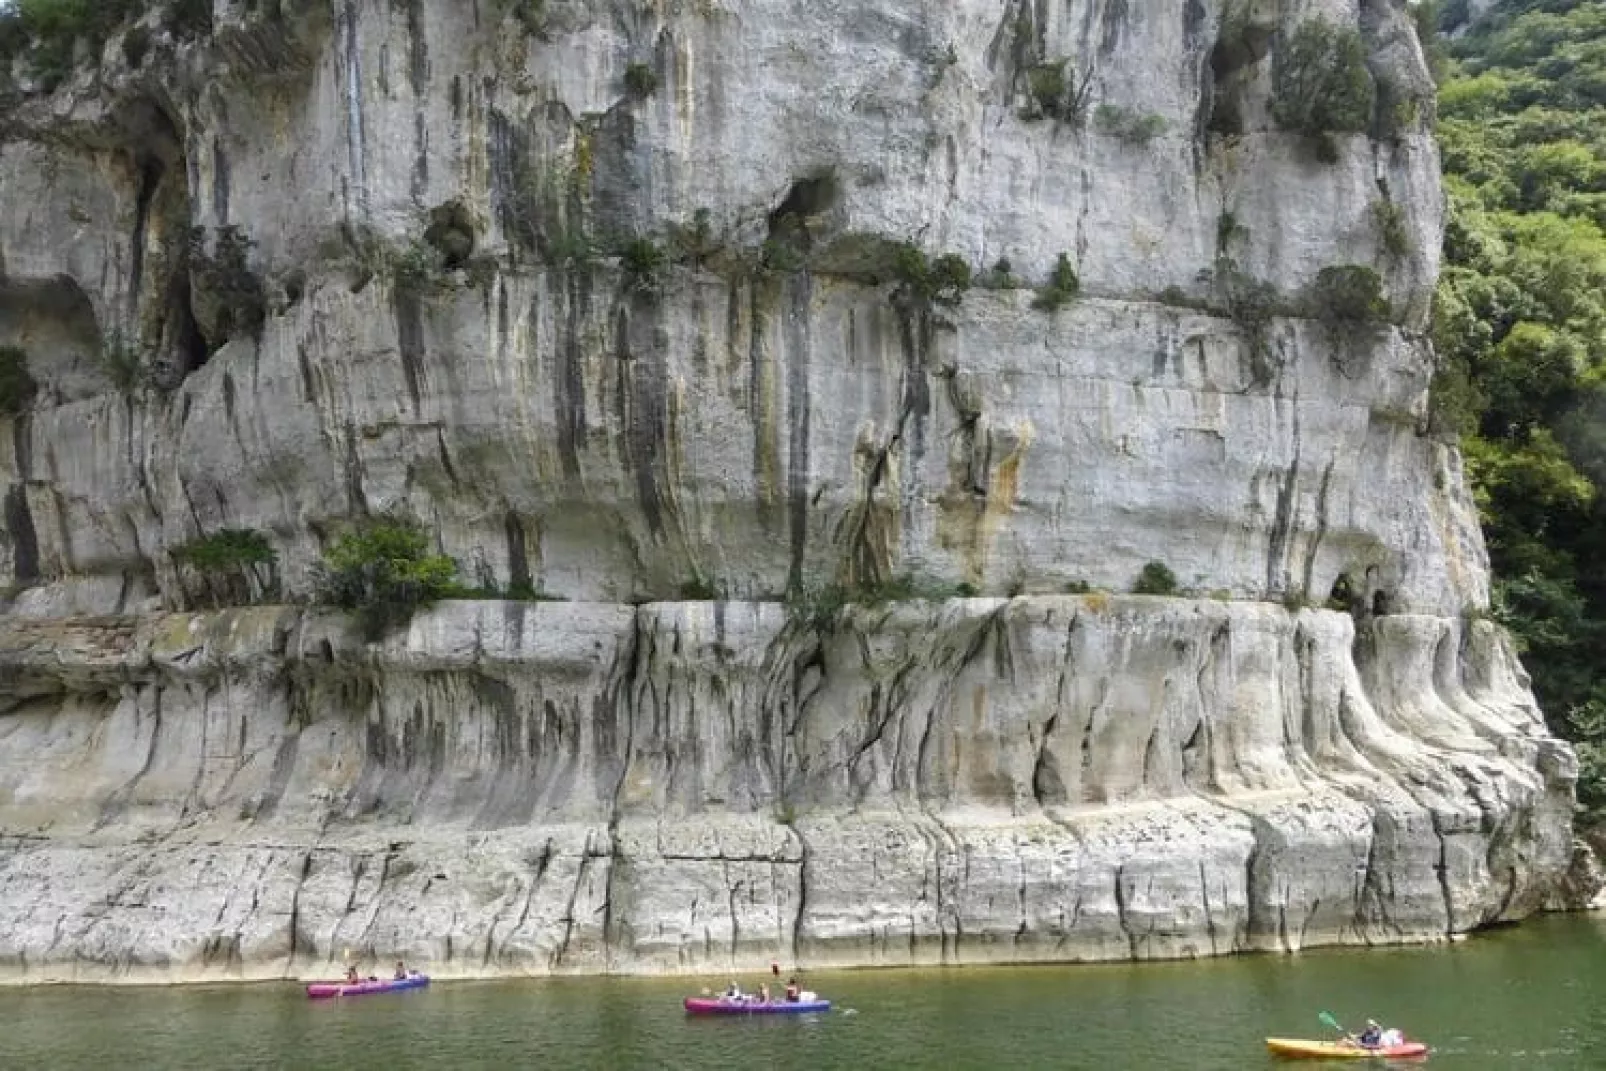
[(401, 971), (1371, 1037), (352, 977), (763, 992), (733, 991), (792, 993)]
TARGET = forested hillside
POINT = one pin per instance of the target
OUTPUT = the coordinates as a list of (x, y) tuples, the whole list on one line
[(1520, 326)]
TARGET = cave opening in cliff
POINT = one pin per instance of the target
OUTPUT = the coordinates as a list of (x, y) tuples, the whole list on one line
[(1241, 45), (1343, 595), (188, 342), (794, 222)]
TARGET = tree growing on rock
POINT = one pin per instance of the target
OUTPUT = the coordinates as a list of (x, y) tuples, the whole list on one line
[(1321, 86), (383, 572)]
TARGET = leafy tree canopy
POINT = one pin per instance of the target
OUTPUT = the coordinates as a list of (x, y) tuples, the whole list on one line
[(1520, 327)]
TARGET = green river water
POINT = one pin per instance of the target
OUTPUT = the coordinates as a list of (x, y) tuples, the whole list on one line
[(1526, 997)]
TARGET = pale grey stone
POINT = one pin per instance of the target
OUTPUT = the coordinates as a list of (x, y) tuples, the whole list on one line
[(624, 783), (696, 787)]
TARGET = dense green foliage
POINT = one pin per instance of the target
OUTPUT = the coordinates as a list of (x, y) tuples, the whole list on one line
[(383, 572), (641, 81), (1520, 327), (233, 566), (227, 548), (1062, 287), (942, 281), (1349, 294), (642, 263), (226, 275), (1156, 579), (1322, 86)]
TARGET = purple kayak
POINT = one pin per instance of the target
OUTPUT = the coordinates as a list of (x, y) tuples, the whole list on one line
[(715, 1006), (317, 990)]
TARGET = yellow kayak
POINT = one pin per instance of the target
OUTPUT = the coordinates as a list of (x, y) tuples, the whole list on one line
[(1300, 1048)]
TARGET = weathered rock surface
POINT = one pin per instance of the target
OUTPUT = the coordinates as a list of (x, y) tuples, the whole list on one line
[(577, 787), (557, 425), (433, 319)]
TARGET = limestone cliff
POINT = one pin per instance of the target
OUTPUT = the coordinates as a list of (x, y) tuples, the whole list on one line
[(635, 300)]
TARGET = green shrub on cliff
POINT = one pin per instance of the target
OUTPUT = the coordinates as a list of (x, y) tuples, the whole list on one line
[(820, 608), (1348, 294), (224, 275), (942, 281), (1156, 578), (120, 360), (1132, 127), (642, 263), (1393, 233), (383, 572), (1061, 289), (227, 548), (1321, 86), (641, 81), (231, 566), (1053, 91)]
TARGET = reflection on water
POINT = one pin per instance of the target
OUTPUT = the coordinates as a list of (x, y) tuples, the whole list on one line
[(1527, 998)]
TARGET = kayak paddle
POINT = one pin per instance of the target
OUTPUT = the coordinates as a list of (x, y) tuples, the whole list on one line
[(1329, 1021)]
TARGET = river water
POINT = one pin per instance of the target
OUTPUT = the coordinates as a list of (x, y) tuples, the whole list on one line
[(1532, 997)]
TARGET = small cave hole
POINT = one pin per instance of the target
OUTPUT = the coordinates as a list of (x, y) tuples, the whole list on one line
[(295, 287), (451, 234), (136, 45), (792, 223), (1342, 597), (186, 343), (1240, 46)]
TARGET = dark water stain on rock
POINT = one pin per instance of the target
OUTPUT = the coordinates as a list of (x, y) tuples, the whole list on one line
[(18, 515), (761, 394), (24, 540), (518, 557), (1116, 20), (798, 413), (1193, 24), (642, 401), (410, 339), (569, 385), (418, 80), (500, 701), (220, 183)]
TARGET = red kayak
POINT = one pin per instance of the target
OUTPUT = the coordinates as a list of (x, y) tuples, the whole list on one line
[(319, 990), (718, 1006)]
